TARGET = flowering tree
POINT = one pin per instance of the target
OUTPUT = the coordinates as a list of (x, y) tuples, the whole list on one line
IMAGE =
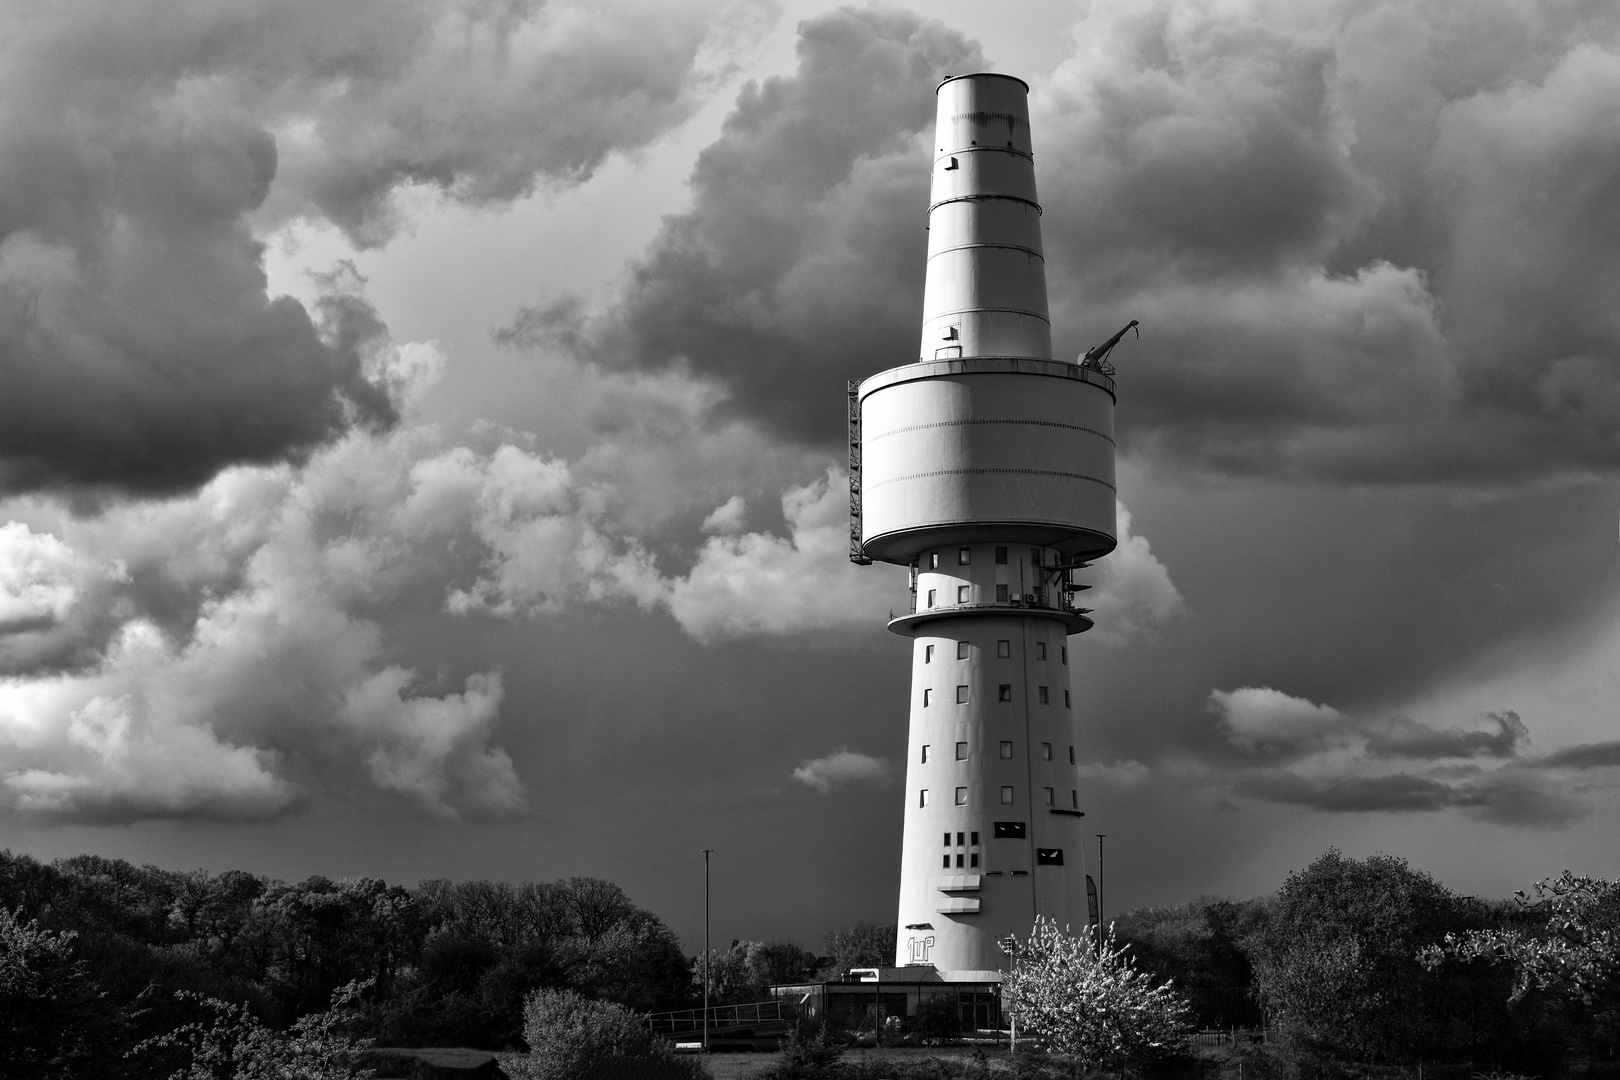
[(233, 1045), (1575, 953), (1089, 1002)]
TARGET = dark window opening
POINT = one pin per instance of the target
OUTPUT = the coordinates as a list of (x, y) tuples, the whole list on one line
[(973, 860), (1004, 648), (1040, 650), (963, 555), (959, 862), (1001, 594), (1004, 692), (961, 695), (1009, 830), (961, 751), (1043, 695), (1001, 556), (962, 650), (1048, 856), (975, 837)]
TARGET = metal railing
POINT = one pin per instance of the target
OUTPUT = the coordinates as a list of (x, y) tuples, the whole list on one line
[(681, 1021)]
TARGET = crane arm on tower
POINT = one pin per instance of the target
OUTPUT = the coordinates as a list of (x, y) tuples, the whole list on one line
[(1097, 358)]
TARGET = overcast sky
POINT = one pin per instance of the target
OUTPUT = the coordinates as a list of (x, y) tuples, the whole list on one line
[(421, 435)]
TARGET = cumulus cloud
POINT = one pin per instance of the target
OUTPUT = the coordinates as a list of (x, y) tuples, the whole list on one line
[(1260, 718), (1361, 240), (1132, 593), (728, 518), (147, 144), (842, 766)]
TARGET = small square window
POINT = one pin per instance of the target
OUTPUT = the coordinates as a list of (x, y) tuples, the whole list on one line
[(945, 862), (973, 860), (1065, 699), (1006, 751), (1040, 650), (961, 751), (1074, 798), (959, 862), (922, 798), (1046, 751), (963, 592), (1001, 556), (1004, 692), (958, 839), (1004, 649), (962, 650), (963, 556), (928, 654), (1064, 651), (1001, 594), (925, 754), (1048, 797), (961, 695), (1043, 694), (947, 839), (975, 839), (926, 695), (931, 597), (933, 561), (1006, 796), (961, 800)]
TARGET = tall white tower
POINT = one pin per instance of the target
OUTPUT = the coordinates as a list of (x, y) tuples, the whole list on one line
[(987, 467)]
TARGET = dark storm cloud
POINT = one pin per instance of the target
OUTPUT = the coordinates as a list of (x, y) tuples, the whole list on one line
[(1402, 737), (800, 262), (1603, 755), (141, 143), (1365, 243), (1520, 799)]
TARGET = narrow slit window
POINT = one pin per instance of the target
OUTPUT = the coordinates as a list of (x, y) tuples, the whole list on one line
[(961, 695), (961, 799), (1040, 650), (1001, 594), (958, 839), (933, 560), (1074, 798), (1064, 651), (1071, 755), (931, 597), (963, 592), (1007, 796), (1006, 750), (959, 862), (975, 840), (1066, 699), (961, 751), (922, 798), (945, 861), (1047, 796), (973, 860), (1004, 692), (1046, 751), (927, 694), (1004, 649), (925, 754), (1043, 695), (962, 650), (928, 654), (964, 556), (1001, 556), (947, 839)]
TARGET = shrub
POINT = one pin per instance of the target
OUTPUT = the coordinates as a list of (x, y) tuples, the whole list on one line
[(572, 1037)]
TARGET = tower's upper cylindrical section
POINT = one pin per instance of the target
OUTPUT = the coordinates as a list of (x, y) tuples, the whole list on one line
[(986, 285)]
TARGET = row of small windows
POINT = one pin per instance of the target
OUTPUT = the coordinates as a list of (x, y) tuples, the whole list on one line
[(1008, 797), (964, 595), (1006, 750), (1003, 693), (972, 864), (964, 557), (1003, 650)]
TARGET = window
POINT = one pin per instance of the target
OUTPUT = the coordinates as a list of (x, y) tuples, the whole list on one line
[(1006, 751), (973, 860), (958, 839), (945, 861), (925, 754), (1064, 650), (962, 650), (961, 799), (928, 654), (922, 798), (963, 555), (1065, 699), (1001, 556), (963, 592), (933, 561), (961, 751), (959, 862), (1046, 751), (1004, 649), (1009, 830), (926, 695), (1006, 796), (975, 839), (1001, 594), (1040, 650), (961, 695), (1004, 692), (1048, 797), (1074, 798), (930, 597), (1071, 755), (1034, 556), (1048, 856), (947, 839), (1043, 695)]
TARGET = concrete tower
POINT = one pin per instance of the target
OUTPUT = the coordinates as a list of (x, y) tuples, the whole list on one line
[(987, 468)]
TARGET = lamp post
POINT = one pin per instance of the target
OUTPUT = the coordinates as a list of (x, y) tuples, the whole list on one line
[(1100, 922), (708, 957)]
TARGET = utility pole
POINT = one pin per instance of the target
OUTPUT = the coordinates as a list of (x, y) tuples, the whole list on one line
[(1100, 921), (708, 957)]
